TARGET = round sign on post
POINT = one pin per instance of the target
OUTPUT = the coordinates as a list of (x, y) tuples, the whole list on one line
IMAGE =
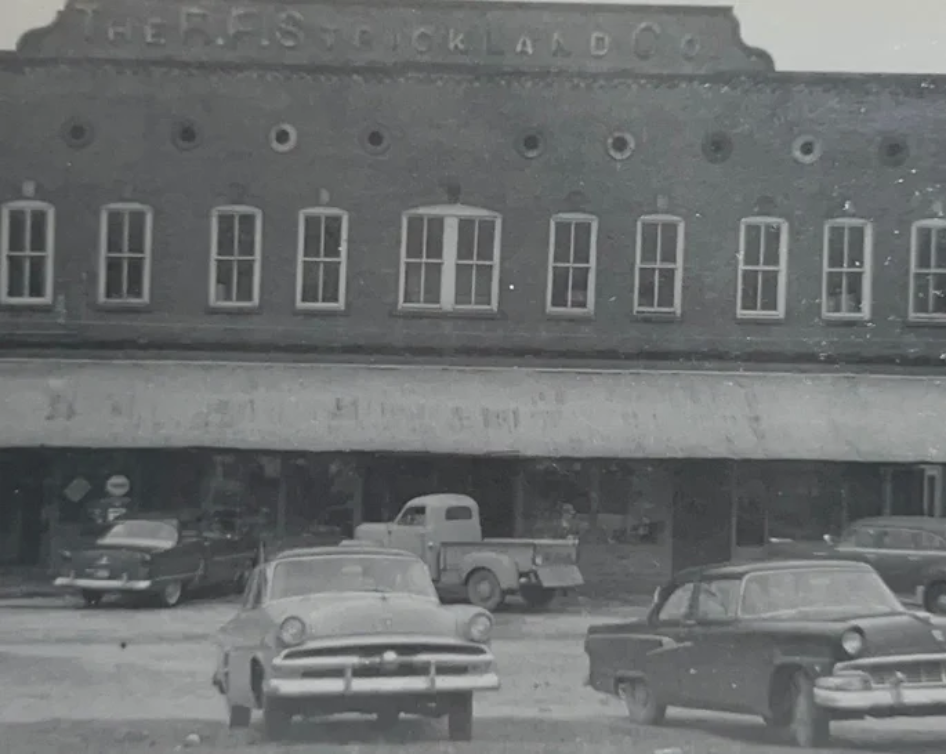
[(118, 485)]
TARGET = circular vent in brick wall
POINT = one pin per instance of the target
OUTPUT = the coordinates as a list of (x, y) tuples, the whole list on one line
[(530, 143), (185, 134), (283, 138), (806, 149), (893, 151), (375, 139), (717, 146), (621, 145), (77, 133)]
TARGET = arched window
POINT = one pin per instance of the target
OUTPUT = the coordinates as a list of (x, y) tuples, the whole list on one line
[(27, 252), (450, 258), (236, 240)]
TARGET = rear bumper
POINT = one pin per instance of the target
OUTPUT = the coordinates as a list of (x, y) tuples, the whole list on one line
[(104, 585), (296, 688)]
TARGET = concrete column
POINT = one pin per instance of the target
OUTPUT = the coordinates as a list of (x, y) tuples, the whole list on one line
[(281, 498), (358, 494), (594, 492), (519, 499)]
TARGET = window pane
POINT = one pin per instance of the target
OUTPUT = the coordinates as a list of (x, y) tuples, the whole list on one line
[(483, 282), (115, 232), (37, 277), (924, 243), (562, 243), (312, 240), (225, 235), (836, 247), (647, 288), (225, 281), (749, 300), (486, 241), (38, 230), (773, 238), (136, 276), (466, 239), (16, 276), (247, 230), (415, 238), (939, 250), (434, 239), (769, 301), (665, 288), (560, 286), (16, 230), (114, 279), (332, 244), (331, 283), (464, 285), (938, 304), (245, 280), (582, 243), (668, 242), (137, 236), (580, 278), (752, 245), (854, 296), (310, 282), (856, 246), (921, 304), (422, 283), (649, 240)]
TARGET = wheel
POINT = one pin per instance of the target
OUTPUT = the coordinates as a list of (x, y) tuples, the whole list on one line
[(537, 596), (239, 716), (91, 599), (460, 718), (810, 725), (642, 706), (276, 720), (483, 590), (387, 718), (934, 599), (171, 594)]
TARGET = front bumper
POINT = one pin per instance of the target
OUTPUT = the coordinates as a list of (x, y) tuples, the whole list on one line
[(876, 686), (295, 688), (104, 585)]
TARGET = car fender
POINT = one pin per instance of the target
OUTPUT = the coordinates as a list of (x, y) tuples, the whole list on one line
[(816, 665), (502, 566)]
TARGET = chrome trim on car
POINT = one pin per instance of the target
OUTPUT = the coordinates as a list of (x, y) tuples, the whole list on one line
[(308, 687), (910, 681), (105, 585)]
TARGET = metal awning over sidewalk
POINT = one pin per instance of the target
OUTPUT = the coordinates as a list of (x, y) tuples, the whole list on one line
[(467, 410)]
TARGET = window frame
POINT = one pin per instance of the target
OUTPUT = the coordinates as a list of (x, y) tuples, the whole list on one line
[(708, 584), (936, 225), (257, 257), (571, 218), (125, 207), (867, 274), (447, 303), (301, 259), (781, 292), (28, 205), (687, 613), (660, 219)]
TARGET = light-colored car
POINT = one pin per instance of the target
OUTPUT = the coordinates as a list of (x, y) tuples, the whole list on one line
[(332, 630)]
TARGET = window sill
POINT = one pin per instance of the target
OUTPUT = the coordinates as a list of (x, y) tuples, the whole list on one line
[(760, 319), (845, 321), (658, 317), (443, 314), (570, 314)]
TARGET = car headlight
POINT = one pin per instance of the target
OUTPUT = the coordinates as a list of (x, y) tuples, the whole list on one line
[(479, 627), (292, 631), (852, 642)]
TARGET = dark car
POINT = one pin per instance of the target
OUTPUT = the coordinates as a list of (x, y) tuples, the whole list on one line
[(909, 553), (800, 643), (161, 555)]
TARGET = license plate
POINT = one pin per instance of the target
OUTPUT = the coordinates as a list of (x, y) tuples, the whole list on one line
[(100, 573)]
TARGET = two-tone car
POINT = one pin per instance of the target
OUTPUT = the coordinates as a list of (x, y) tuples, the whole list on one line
[(162, 556), (799, 643), (355, 629)]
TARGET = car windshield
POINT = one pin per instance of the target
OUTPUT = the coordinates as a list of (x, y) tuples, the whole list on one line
[(819, 593), (141, 532), (321, 574)]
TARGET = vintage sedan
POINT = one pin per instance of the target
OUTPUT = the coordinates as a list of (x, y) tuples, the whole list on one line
[(332, 630), (800, 643), (162, 556)]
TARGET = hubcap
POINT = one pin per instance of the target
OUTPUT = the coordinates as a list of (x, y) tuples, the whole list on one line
[(484, 589), (636, 696), (172, 592)]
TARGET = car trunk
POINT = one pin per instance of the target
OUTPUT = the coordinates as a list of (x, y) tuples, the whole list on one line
[(109, 562)]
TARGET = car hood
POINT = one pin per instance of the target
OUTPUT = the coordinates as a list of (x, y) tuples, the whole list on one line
[(902, 633), (369, 614)]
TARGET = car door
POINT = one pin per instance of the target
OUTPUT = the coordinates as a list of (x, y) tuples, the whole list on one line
[(713, 678), (666, 657), (903, 560), (240, 637)]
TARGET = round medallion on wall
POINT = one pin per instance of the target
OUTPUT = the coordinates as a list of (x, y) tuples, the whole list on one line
[(375, 139), (283, 137), (621, 145), (893, 151), (530, 143), (185, 134), (77, 132), (717, 147), (806, 149)]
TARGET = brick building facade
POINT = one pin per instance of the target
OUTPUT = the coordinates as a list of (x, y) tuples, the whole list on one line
[(544, 253)]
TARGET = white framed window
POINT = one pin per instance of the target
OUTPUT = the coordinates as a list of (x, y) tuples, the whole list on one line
[(573, 242), (658, 266), (27, 252), (763, 264), (125, 233), (846, 282), (322, 258), (450, 259), (928, 270), (236, 240)]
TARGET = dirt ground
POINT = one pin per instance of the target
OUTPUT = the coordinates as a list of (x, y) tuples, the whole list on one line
[(120, 680)]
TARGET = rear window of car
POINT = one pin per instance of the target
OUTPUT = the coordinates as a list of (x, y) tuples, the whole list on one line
[(459, 513), (859, 536)]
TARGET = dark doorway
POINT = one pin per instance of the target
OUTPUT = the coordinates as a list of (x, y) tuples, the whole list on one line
[(702, 513), (21, 505)]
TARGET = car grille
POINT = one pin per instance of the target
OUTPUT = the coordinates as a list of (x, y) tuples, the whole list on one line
[(404, 667), (913, 674)]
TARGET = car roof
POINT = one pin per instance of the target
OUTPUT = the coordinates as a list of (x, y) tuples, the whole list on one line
[(915, 522), (351, 550), (740, 569), (444, 499)]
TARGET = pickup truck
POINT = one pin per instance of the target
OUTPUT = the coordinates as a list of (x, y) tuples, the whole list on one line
[(444, 530)]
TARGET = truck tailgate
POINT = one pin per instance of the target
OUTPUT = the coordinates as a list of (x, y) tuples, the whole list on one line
[(557, 563)]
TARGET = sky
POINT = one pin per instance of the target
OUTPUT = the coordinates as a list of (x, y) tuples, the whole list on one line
[(892, 36)]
